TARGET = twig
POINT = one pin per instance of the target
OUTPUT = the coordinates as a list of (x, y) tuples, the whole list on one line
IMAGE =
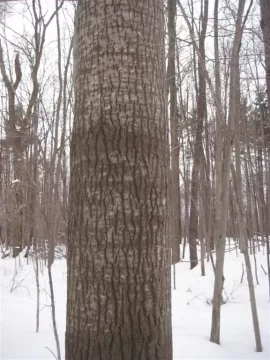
[(243, 272), (51, 352), (195, 297), (263, 270)]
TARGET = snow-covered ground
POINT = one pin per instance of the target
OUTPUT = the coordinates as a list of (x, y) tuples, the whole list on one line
[(191, 302)]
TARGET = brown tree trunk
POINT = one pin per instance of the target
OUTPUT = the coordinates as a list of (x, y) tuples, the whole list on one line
[(18, 170), (15, 131), (118, 261), (244, 246), (199, 152), (265, 25), (242, 223), (175, 181), (227, 151), (220, 120)]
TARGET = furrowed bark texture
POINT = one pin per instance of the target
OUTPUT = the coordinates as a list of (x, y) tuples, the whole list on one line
[(118, 304)]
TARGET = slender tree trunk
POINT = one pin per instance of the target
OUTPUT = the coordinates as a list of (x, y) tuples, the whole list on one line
[(241, 225), (207, 205), (219, 122), (118, 261), (15, 131), (243, 239), (227, 150), (175, 181), (55, 331), (202, 220), (265, 25), (199, 151), (244, 243), (18, 169)]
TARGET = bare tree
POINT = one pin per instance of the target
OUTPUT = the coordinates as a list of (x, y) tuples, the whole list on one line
[(225, 178), (16, 128)]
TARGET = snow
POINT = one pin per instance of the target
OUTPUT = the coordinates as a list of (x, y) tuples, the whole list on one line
[(191, 303), (192, 312), (15, 181)]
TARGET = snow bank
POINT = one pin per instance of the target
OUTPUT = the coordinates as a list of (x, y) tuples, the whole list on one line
[(191, 302)]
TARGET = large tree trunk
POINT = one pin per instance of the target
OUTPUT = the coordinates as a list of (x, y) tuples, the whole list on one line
[(265, 25), (118, 304)]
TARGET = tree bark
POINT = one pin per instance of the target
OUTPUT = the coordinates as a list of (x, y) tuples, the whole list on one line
[(175, 185), (244, 246), (219, 122), (15, 131), (227, 151), (265, 25), (199, 151), (118, 261)]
